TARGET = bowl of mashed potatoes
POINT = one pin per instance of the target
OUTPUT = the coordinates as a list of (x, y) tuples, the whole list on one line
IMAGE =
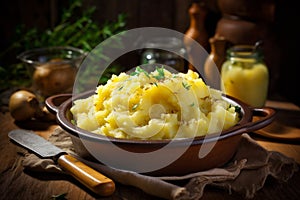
[(176, 118)]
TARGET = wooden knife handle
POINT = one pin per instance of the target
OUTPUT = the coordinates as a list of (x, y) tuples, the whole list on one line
[(91, 178)]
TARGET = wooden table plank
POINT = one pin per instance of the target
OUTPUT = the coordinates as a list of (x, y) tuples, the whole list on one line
[(15, 183)]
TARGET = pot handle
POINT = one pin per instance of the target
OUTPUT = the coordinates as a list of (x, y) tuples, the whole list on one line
[(266, 116), (53, 102)]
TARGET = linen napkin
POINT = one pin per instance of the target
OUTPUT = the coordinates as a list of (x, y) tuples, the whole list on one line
[(246, 173)]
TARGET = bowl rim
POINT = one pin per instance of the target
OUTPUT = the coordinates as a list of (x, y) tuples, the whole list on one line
[(25, 55)]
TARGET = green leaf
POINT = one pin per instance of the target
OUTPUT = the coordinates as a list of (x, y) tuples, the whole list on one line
[(161, 73), (138, 71), (76, 28)]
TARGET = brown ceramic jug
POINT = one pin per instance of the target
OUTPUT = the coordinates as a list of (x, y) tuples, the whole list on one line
[(239, 31), (246, 22), (213, 64), (196, 31)]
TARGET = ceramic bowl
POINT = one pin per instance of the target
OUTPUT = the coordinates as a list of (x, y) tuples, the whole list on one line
[(87, 144)]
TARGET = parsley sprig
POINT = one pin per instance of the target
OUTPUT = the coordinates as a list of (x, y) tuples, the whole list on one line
[(159, 76), (161, 73), (237, 109), (138, 71)]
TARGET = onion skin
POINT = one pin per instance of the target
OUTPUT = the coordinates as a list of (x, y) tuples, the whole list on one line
[(54, 77), (23, 105)]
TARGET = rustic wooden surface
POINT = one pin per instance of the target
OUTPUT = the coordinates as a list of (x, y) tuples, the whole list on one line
[(15, 183)]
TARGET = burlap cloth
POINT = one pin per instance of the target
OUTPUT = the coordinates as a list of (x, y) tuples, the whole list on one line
[(246, 173)]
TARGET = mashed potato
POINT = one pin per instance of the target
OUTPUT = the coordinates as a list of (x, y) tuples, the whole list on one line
[(156, 105)]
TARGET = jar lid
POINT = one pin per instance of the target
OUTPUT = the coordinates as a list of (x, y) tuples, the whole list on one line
[(245, 51), (55, 54)]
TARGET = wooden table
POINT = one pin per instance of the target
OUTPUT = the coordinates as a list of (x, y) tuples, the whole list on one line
[(15, 183)]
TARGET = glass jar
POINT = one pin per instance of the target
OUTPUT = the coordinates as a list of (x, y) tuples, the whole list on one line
[(245, 76), (159, 50), (52, 69)]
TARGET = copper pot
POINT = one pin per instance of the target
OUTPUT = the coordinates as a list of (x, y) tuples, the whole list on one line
[(225, 146)]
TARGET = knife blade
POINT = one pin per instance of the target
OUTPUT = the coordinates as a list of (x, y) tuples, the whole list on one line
[(92, 179)]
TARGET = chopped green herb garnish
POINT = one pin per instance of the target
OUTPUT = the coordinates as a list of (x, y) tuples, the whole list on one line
[(186, 86), (192, 104), (134, 107), (237, 109), (134, 73), (73, 122), (120, 88), (138, 71), (161, 73)]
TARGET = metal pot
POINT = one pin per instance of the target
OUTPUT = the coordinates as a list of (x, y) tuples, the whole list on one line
[(222, 145)]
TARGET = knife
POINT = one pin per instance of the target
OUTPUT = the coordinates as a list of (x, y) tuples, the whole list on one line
[(92, 179)]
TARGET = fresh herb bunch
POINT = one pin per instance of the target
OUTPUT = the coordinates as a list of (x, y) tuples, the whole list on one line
[(81, 32), (76, 28)]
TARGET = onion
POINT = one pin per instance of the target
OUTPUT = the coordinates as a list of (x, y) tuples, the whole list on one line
[(54, 77), (24, 105)]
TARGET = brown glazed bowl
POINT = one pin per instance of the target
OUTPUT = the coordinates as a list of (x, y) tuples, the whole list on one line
[(87, 144)]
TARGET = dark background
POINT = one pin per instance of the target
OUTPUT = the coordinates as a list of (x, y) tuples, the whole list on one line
[(172, 14)]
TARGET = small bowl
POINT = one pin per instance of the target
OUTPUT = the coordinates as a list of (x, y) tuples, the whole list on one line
[(53, 69), (225, 144)]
